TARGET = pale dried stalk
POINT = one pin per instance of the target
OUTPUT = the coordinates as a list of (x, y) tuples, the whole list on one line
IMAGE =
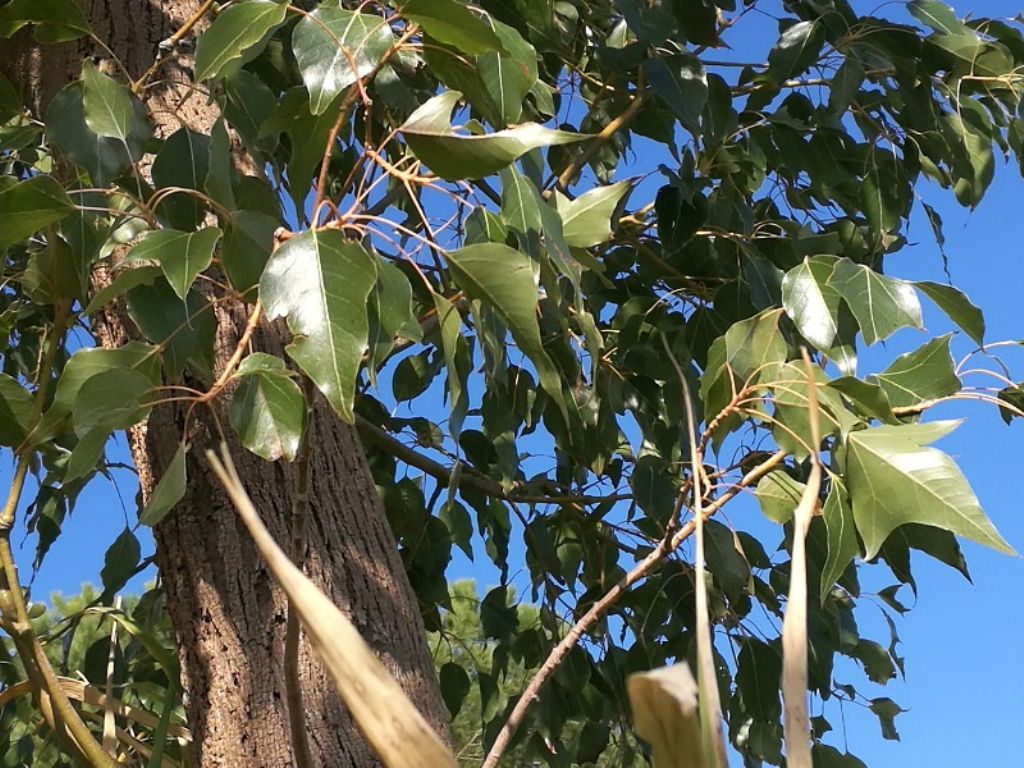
[(713, 746), (389, 721), (797, 723)]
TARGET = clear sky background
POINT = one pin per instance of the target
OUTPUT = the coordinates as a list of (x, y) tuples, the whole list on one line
[(961, 640)]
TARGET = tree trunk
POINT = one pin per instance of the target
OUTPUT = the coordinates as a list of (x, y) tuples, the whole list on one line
[(228, 615)]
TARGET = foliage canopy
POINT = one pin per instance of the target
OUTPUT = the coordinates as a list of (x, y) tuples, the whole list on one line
[(507, 238)]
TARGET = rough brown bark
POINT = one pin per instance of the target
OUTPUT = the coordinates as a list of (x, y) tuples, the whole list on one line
[(228, 615)]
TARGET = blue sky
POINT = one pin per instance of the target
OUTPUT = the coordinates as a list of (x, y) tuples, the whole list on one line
[(963, 676)]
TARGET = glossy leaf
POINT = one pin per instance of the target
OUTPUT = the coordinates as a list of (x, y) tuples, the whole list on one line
[(882, 305), (797, 48), (120, 562), (111, 110), (185, 329), (453, 155), (183, 162), (811, 301), (457, 361), (508, 75), (335, 47), (233, 34), (181, 255), (321, 282), (248, 240), (894, 478)]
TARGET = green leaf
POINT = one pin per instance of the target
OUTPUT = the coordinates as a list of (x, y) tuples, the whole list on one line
[(845, 85), (842, 537), (248, 241), (120, 562), (30, 205), (743, 354), (114, 399), (917, 377), (454, 156), (758, 671), (390, 314), (451, 22), (877, 662), (503, 278), (868, 398), (184, 329), (181, 255), (183, 161), (882, 305), (16, 407), (321, 282), (894, 479), (798, 47), (886, 709), (233, 33), (111, 109), (957, 307), (455, 685), (586, 221), (778, 494), (220, 175), (334, 48), (507, 77), (681, 82), (168, 492), (268, 410), (811, 301), (725, 560), (936, 15), (457, 361), (120, 285), (87, 363), (55, 21), (103, 157), (87, 453)]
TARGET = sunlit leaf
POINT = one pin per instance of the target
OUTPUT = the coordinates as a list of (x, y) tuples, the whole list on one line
[(233, 33), (453, 155), (181, 255), (894, 478), (335, 47), (321, 282)]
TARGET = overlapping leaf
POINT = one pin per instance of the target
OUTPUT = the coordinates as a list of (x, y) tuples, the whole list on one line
[(894, 478), (181, 255), (321, 282), (234, 33), (335, 47), (453, 155)]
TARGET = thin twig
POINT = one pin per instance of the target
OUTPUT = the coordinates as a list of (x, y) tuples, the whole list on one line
[(300, 506)]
